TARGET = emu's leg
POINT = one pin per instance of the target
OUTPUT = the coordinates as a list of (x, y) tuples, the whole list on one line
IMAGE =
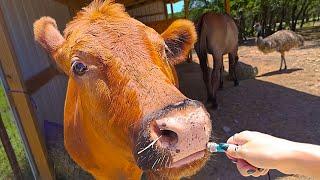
[(284, 60), (215, 78), (281, 62), (233, 63)]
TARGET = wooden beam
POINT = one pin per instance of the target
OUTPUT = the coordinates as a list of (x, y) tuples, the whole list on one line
[(22, 105), (146, 15), (165, 10), (171, 6), (37, 81), (186, 8), (227, 6), (129, 3), (136, 4), (74, 5)]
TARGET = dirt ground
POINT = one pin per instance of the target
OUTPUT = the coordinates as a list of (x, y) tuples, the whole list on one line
[(285, 104)]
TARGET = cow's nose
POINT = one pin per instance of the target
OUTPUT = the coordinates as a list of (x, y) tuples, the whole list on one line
[(184, 131)]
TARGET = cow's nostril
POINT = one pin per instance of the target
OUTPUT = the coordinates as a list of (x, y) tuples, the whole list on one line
[(168, 137)]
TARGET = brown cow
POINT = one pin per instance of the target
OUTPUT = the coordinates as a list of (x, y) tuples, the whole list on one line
[(218, 35), (123, 111)]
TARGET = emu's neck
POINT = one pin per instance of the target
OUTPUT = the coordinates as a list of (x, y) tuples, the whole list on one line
[(259, 34), (260, 41)]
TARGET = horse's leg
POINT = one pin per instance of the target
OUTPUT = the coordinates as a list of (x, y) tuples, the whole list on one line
[(236, 63), (215, 78), (189, 60), (233, 63), (205, 76), (221, 76)]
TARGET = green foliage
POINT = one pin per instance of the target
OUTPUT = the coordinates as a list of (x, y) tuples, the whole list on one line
[(272, 14), (199, 7), (5, 169)]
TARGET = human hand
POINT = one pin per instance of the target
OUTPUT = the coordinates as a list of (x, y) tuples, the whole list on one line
[(255, 153)]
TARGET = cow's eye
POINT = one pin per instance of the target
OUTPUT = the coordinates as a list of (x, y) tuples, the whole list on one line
[(78, 67)]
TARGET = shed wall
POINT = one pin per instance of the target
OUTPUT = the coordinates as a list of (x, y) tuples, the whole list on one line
[(19, 16), (150, 12)]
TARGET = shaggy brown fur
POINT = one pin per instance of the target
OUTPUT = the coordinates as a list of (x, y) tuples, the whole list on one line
[(281, 41)]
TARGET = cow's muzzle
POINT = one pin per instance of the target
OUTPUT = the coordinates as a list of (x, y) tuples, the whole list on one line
[(173, 137)]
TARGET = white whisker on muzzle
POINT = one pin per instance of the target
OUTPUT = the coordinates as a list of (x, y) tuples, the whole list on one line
[(150, 145)]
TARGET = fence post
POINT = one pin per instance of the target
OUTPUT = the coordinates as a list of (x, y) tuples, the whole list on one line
[(9, 151)]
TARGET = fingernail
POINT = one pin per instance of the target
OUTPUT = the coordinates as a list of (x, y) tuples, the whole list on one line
[(260, 169), (251, 171)]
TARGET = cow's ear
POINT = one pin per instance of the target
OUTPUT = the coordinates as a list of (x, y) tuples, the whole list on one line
[(179, 38), (46, 33)]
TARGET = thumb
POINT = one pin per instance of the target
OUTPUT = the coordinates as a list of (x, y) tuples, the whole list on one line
[(234, 151)]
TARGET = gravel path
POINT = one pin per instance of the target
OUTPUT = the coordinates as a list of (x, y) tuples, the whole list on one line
[(284, 104)]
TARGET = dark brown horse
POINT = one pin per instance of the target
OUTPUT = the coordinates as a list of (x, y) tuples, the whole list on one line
[(217, 35)]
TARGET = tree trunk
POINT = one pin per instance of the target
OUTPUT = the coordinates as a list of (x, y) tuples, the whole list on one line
[(302, 23), (253, 23), (265, 9), (305, 14), (269, 28), (283, 13), (274, 25), (304, 6), (293, 16)]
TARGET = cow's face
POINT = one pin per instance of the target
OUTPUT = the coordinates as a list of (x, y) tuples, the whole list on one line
[(122, 105)]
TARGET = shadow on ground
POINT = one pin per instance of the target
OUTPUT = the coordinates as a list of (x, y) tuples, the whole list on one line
[(254, 105), (277, 72)]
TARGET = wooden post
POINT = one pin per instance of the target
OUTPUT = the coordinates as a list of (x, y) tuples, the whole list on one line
[(186, 15), (165, 9), (227, 6), (186, 8), (20, 101), (171, 5), (9, 151)]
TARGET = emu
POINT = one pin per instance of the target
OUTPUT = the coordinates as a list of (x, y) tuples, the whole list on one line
[(281, 41)]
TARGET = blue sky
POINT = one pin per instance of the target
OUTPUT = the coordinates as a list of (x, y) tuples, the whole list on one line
[(177, 7)]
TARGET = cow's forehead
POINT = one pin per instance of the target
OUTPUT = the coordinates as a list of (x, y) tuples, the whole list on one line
[(106, 28), (126, 39)]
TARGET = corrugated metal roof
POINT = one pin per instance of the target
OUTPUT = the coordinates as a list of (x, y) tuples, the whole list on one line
[(128, 3)]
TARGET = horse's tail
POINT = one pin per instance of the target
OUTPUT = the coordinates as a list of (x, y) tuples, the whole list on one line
[(201, 45)]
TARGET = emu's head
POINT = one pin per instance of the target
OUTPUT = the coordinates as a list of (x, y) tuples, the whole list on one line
[(258, 29)]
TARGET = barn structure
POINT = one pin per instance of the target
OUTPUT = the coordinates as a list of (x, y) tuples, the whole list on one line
[(35, 89)]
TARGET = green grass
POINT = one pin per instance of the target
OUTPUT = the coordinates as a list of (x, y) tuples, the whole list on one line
[(5, 169)]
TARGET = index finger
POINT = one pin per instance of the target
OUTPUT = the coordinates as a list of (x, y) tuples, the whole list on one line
[(239, 138)]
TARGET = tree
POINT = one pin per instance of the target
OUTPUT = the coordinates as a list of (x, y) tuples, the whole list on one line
[(272, 14)]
